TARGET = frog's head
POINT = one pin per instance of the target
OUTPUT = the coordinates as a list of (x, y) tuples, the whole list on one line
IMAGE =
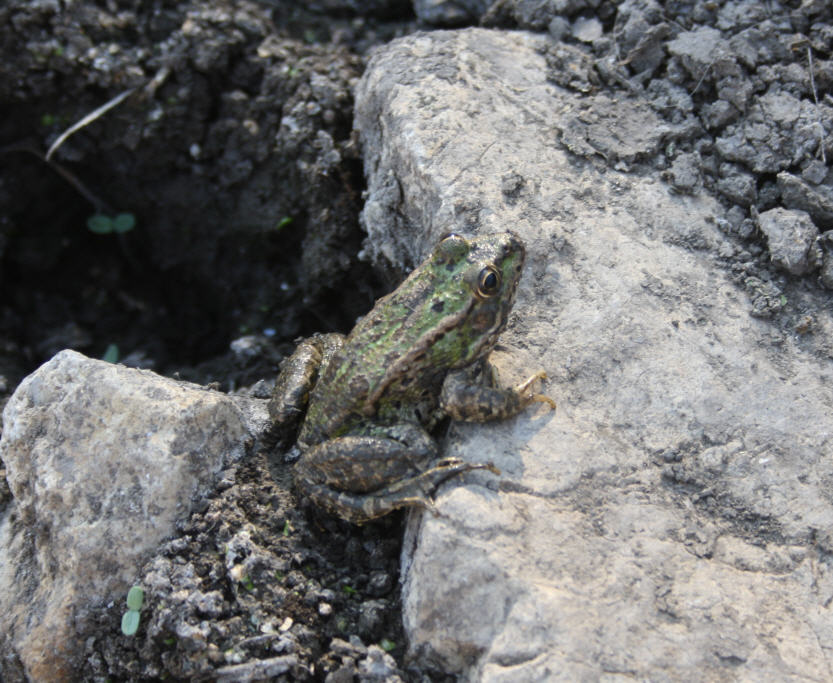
[(480, 278)]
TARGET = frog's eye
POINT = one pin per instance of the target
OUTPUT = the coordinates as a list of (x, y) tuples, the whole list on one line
[(488, 282)]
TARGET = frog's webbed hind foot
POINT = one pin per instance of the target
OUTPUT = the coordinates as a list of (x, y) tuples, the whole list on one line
[(414, 491)]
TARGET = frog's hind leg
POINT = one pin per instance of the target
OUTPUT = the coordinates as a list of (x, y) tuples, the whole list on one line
[(363, 477), (414, 491)]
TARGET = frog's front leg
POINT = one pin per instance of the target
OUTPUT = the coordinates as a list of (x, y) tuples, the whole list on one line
[(466, 398), (299, 373), (363, 477)]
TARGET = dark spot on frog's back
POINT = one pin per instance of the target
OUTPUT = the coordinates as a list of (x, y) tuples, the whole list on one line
[(438, 306)]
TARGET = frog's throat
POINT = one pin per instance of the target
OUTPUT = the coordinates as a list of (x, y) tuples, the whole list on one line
[(398, 367)]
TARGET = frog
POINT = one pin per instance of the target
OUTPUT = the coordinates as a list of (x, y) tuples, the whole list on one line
[(367, 403)]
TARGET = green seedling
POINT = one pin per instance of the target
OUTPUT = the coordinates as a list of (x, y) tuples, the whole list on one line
[(283, 222), (101, 224), (111, 355), (130, 619), (130, 622), (387, 645), (135, 598)]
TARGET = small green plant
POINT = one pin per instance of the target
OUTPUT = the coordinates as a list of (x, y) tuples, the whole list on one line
[(130, 619), (283, 222), (247, 583), (287, 528), (102, 224), (111, 354), (348, 589), (387, 645)]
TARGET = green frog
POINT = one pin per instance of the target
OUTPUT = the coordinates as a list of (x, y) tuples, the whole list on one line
[(373, 397)]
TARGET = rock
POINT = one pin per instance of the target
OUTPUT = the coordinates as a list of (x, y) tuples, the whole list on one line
[(814, 172), (378, 667), (558, 28), (587, 29), (102, 462), (780, 131), (816, 201), (589, 554), (792, 239)]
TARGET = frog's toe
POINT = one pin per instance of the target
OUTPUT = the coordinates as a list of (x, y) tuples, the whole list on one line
[(448, 462)]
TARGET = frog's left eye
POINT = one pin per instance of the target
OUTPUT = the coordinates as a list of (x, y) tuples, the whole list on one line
[(488, 282)]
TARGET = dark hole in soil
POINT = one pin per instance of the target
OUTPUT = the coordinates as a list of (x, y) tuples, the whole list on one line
[(66, 287)]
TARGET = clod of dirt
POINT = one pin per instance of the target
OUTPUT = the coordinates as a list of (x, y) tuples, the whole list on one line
[(792, 239), (816, 201)]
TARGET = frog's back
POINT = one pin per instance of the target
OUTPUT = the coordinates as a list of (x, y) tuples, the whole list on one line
[(392, 365), (382, 362)]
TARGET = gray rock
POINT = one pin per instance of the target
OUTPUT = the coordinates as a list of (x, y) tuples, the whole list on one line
[(557, 28), (102, 462), (816, 201), (378, 667), (590, 554), (815, 171), (780, 131), (791, 236), (587, 29)]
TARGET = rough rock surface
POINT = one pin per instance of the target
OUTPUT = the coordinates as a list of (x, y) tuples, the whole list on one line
[(673, 520), (792, 239), (103, 462)]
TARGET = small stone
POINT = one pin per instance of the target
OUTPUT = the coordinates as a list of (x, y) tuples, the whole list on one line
[(342, 648), (814, 172), (346, 673), (587, 29), (379, 584), (372, 618), (378, 666), (558, 28), (792, 237), (325, 609)]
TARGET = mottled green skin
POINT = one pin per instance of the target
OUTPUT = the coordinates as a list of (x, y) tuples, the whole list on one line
[(410, 361)]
